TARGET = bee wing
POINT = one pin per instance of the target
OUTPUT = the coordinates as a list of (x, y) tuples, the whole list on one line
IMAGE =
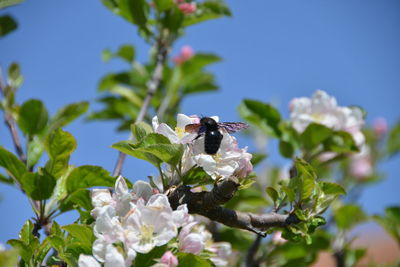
[(194, 128), (232, 127)]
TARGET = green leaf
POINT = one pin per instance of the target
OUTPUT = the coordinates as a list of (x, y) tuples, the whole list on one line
[(348, 216), (155, 148), (262, 115), (59, 146), (198, 62), (23, 249), (391, 222), (27, 243), (42, 251), (32, 117), (289, 193), (81, 198), (196, 176), (163, 5), (272, 193), (7, 24), (286, 149), (9, 258), (393, 142), (140, 130), (12, 164), (126, 52), (208, 10), (83, 234), (127, 148), (38, 186), (304, 182), (35, 150), (257, 158), (67, 114), (341, 142), (188, 259), (6, 3), (332, 189), (314, 135), (134, 11), (148, 259), (88, 176), (15, 78)]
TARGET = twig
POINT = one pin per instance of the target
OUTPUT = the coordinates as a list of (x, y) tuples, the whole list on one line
[(154, 82), (207, 205), (10, 122), (251, 260)]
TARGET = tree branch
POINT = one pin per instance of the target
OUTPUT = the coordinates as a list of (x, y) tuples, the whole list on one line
[(154, 82), (207, 204), (10, 122), (251, 260)]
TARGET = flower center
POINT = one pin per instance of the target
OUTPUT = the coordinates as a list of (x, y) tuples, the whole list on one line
[(180, 132), (147, 232), (317, 116)]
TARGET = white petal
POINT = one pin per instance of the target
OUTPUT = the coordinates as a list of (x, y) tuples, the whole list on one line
[(155, 123), (121, 188), (87, 261), (183, 120), (193, 243), (180, 215), (165, 130), (99, 249), (142, 190), (113, 257)]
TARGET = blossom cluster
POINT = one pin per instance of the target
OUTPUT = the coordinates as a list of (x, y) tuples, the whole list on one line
[(230, 160), (136, 221), (323, 109)]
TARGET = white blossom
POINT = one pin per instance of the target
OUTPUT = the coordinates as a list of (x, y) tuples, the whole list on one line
[(190, 242), (150, 225), (223, 254), (323, 109), (229, 159), (179, 135), (361, 163)]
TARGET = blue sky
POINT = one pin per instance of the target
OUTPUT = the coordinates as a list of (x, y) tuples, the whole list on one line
[(272, 50)]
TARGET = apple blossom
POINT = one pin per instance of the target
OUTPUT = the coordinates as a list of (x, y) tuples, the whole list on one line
[(323, 109), (169, 259), (186, 52), (223, 254), (229, 159), (190, 242), (361, 163), (380, 126), (151, 224), (187, 8)]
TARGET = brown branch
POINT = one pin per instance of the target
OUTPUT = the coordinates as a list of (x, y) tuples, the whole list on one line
[(207, 205), (154, 82), (251, 260)]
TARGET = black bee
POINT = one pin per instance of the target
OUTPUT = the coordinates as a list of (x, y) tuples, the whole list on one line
[(211, 129)]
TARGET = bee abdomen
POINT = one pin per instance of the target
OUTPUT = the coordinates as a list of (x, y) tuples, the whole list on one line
[(212, 141)]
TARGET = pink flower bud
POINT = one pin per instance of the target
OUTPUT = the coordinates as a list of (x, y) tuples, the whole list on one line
[(187, 8), (380, 126), (169, 259), (186, 53)]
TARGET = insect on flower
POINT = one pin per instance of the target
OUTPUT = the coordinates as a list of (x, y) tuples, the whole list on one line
[(211, 130)]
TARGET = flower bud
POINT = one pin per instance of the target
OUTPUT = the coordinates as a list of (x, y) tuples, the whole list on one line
[(169, 259)]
